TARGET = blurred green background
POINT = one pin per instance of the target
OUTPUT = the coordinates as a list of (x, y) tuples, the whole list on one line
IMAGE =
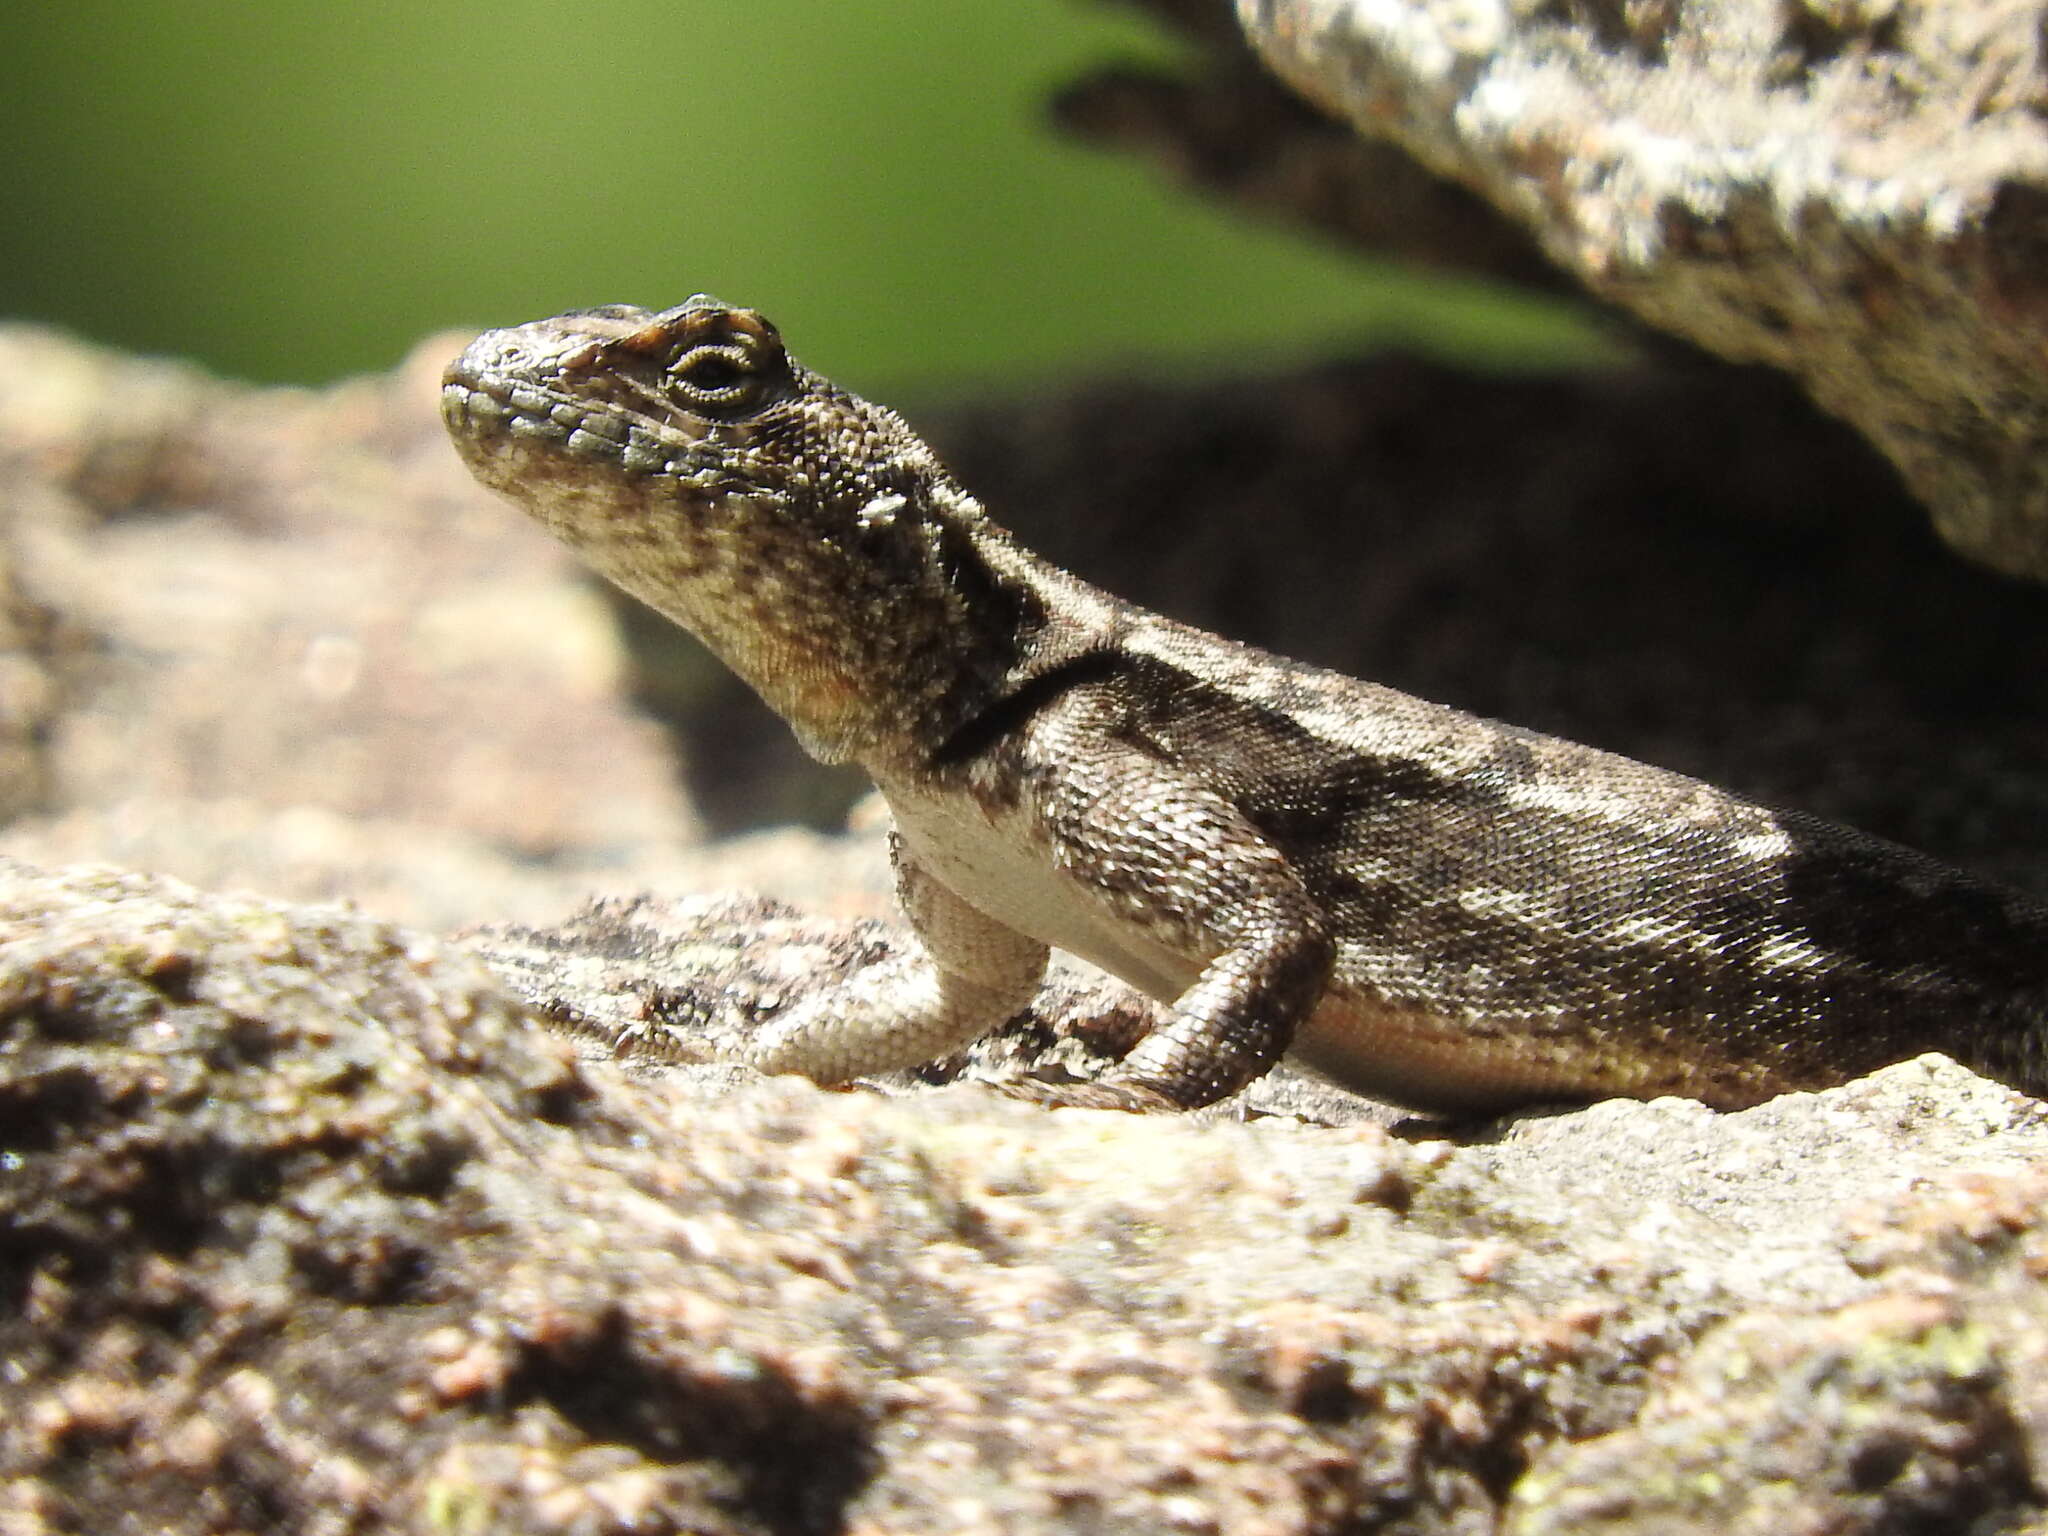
[(294, 191)]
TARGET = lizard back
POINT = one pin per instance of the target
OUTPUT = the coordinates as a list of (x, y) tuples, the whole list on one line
[(1564, 920)]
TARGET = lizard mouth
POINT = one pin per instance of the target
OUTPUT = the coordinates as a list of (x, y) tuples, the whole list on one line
[(506, 416), (485, 413)]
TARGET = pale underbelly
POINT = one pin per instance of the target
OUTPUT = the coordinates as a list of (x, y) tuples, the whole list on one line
[(1401, 1051)]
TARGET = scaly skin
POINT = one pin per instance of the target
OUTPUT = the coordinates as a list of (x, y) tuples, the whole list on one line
[(1437, 909)]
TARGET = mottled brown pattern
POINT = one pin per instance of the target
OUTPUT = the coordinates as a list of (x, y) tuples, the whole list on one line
[(1442, 909)]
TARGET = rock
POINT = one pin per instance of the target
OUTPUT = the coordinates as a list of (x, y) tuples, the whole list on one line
[(1854, 193), (307, 1226)]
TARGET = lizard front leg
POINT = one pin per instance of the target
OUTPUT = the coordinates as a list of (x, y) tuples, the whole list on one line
[(964, 975), (1176, 868)]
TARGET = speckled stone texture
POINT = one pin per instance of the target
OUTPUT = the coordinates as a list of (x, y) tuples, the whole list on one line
[(305, 1226), (1855, 191)]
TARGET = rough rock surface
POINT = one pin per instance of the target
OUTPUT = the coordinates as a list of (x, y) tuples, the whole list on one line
[(1855, 191), (306, 1227)]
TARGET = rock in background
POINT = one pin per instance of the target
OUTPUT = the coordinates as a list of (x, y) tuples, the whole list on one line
[(1855, 193)]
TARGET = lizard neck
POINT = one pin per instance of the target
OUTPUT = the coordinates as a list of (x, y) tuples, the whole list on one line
[(1005, 617)]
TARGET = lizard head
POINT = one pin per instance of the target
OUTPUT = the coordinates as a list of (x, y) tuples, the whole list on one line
[(808, 537)]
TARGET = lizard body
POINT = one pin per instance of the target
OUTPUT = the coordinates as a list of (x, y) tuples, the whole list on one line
[(1434, 908)]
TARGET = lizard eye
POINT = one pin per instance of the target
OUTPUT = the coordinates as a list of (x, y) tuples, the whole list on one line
[(715, 378)]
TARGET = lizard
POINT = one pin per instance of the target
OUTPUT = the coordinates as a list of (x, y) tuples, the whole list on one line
[(1451, 913)]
